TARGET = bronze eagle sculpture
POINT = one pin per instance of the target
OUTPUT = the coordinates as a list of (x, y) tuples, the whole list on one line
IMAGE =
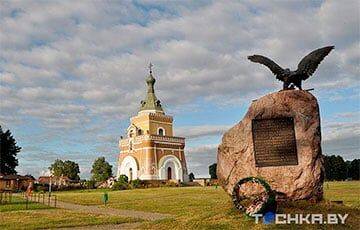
[(306, 67)]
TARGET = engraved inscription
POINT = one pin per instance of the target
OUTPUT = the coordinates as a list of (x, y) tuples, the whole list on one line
[(274, 142)]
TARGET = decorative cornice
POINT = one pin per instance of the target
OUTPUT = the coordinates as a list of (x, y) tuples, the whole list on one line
[(167, 139), (162, 117)]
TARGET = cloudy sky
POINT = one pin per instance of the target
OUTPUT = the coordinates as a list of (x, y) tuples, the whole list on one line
[(72, 72)]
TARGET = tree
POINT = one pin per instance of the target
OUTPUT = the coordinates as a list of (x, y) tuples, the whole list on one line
[(71, 170), (212, 171), (101, 169), (327, 166), (335, 168), (354, 169), (191, 177), (8, 152), (57, 168), (65, 168)]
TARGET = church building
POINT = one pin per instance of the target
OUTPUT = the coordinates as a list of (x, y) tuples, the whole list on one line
[(150, 151)]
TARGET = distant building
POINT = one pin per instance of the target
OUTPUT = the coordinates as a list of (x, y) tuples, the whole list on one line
[(15, 182), (55, 180), (107, 184), (151, 151)]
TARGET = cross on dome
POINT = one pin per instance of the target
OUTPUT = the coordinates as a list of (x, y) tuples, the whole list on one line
[(150, 67), (151, 103)]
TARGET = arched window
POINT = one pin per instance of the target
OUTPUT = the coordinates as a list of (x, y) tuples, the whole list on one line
[(131, 133), (161, 132), (139, 132)]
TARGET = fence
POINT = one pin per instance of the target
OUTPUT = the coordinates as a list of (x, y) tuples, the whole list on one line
[(5, 197), (41, 197)]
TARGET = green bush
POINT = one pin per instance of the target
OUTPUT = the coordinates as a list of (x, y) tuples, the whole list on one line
[(136, 183), (123, 178), (120, 185), (90, 184)]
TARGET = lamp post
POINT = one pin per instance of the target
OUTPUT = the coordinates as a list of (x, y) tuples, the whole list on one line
[(17, 184), (50, 183), (50, 186)]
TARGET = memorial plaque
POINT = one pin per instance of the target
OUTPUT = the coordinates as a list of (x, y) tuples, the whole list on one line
[(274, 142)]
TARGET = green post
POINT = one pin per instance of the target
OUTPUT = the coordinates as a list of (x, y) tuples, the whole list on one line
[(105, 198)]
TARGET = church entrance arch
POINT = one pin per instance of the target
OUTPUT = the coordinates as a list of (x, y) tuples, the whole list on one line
[(170, 168), (129, 167)]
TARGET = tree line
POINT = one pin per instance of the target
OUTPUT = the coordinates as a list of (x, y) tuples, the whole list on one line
[(101, 169), (336, 168)]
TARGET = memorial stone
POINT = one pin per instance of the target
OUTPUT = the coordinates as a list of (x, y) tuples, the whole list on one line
[(279, 140)]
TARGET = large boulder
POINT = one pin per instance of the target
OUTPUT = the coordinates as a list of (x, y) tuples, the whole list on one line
[(236, 160)]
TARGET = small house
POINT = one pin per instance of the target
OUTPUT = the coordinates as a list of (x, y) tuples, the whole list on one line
[(15, 182)]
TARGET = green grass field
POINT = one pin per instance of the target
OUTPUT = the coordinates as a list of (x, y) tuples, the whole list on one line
[(14, 215), (54, 218), (191, 207), (347, 191), (18, 203)]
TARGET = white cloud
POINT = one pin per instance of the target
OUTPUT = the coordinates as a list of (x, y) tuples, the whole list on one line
[(190, 132), (342, 138), (200, 158), (68, 64)]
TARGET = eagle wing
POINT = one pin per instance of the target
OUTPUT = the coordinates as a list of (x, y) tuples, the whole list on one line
[(275, 68), (310, 62)]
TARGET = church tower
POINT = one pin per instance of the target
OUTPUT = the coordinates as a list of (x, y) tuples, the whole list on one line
[(150, 151)]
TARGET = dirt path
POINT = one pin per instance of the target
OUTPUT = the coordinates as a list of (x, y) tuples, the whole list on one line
[(112, 211)]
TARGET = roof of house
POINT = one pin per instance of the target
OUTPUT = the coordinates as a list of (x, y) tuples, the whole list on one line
[(16, 177), (46, 179)]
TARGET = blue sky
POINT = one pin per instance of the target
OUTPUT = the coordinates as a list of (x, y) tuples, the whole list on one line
[(72, 73)]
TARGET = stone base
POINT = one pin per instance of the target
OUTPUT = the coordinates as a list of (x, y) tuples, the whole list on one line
[(293, 182)]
